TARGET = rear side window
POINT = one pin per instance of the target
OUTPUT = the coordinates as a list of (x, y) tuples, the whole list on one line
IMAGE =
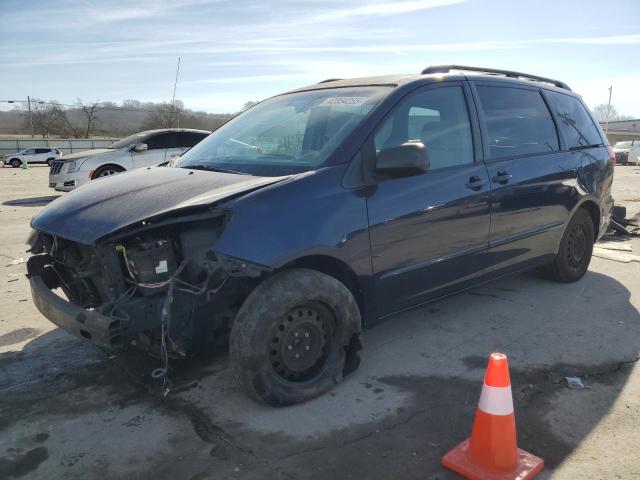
[(161, 141), (42, 150), (438, 118), (574, 122), (517, 122), (189, 139)]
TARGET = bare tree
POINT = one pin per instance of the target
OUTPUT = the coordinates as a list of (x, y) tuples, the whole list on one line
[(605, 112), (91, 114), (163, 115), (50, 119), (248, 105)]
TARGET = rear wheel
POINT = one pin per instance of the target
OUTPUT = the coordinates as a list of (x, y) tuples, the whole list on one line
[(294, 337), (15, 162), (576, 247), (107, 171)]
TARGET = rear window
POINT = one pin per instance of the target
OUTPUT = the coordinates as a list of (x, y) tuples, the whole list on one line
[(574, 122), (517, 122)]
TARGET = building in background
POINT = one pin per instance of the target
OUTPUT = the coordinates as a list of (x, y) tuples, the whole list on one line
[(621, 130)]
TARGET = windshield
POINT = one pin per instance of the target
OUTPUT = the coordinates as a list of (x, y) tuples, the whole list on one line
[(287, 134), (136, 138), (622, 145)]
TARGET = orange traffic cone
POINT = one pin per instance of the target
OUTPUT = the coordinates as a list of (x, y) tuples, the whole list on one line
[(491, 453)]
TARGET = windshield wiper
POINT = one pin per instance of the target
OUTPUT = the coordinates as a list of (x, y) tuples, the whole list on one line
[(210, 168), (582, 147)]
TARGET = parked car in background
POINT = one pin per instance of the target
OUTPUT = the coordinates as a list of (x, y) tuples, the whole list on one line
[(621, 149), (634, 153), (322, 211), (32, 155), (139, 150)]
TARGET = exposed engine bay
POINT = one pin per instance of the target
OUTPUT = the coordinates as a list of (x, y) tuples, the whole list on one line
[(155, 284)]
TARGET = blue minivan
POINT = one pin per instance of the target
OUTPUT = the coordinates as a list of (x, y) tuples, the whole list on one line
[(324, 210)]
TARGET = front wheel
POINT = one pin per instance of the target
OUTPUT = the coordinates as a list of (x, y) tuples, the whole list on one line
[(15, 162), (294, 337), (106, 171), (576, 247)]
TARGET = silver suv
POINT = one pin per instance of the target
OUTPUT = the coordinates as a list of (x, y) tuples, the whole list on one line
[(32, 155), (139, 150)]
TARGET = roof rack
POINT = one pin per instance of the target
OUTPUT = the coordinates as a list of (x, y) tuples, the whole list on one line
[(330, 80), (506, 73)]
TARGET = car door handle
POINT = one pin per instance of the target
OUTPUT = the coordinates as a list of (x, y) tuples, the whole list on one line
[(475, 183), (501, 177)]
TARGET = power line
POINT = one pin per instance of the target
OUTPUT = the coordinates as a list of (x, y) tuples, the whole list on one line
[(124, 109)]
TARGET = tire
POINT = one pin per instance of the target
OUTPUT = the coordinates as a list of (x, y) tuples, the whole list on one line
[(15, 162), (106, 171), (304, 309), (576, 247), (50, 161)]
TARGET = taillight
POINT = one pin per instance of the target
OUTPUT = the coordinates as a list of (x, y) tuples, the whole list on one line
[(612, 155)]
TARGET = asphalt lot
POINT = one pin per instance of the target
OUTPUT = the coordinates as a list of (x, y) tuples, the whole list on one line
[(67, 410)]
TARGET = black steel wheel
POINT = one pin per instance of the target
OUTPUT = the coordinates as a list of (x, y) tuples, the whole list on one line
[(301, 340), (576, 247), (294, 337)]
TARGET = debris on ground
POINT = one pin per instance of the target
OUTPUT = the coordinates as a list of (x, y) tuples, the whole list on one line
[(17, 261), (615, 255), (621, 225), (574, 382), (618, 246)]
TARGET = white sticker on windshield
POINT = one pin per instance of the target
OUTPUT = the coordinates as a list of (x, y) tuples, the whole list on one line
[(351, 101)]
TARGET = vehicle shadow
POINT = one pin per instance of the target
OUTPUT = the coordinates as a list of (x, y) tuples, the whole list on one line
[(31, 202), (415, 394)]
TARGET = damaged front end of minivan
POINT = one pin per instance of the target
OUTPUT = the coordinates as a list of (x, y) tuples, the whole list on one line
[(158, 279)]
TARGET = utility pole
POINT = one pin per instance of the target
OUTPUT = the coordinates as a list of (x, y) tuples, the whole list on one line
[(606, 127), (30, 115), (173, 100)]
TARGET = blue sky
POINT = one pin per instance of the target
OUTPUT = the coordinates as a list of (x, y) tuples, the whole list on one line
[(235, 51)]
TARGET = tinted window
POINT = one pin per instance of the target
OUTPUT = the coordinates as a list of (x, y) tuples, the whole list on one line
[(574, 122), (189, 139), (161, 141), (42, 150), (439, 119), (517, 122)]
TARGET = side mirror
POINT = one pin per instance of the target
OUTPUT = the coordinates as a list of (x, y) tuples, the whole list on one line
[(405, 160), (140, 147)]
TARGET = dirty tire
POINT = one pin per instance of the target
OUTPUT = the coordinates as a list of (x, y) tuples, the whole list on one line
[(15, 162), (106, 171), (576, 247), (290, 302)]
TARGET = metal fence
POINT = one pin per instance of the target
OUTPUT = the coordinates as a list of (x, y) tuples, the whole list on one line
[(65, 145)]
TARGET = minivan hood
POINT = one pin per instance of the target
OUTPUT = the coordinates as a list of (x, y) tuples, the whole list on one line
[(86, 153), (109, 204)]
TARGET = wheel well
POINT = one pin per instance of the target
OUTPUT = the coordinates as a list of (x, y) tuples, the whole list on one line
[(594, 212), (337, 269), (102, 167)]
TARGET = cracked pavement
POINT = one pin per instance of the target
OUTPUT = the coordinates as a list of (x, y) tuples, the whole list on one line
[(68, 410)]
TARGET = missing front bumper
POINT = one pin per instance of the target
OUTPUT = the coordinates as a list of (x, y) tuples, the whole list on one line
[(89, 324)]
